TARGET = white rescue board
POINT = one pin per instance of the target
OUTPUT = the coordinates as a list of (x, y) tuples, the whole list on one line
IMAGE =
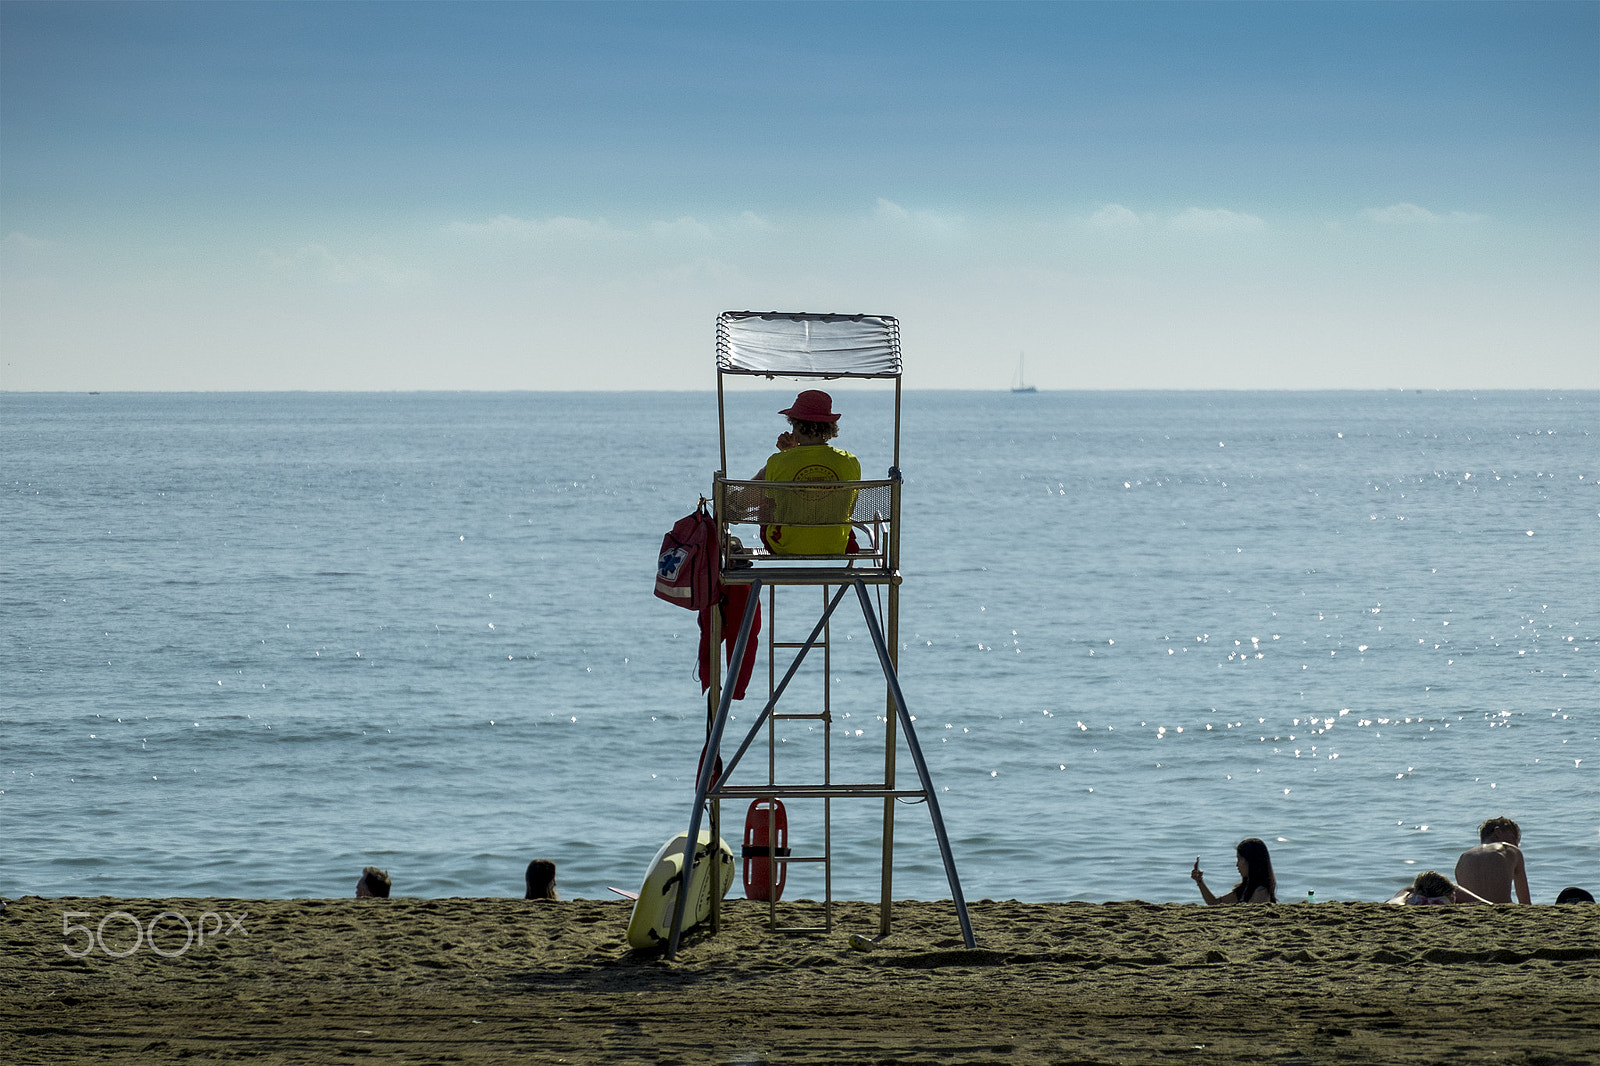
[(651, 924)]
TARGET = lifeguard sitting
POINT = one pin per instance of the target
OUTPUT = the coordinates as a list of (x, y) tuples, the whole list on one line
[(803, 521)]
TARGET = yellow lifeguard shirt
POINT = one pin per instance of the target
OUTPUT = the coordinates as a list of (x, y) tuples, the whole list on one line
[(806, 521)]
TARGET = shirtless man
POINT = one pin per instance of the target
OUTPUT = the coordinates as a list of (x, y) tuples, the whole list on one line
[(1493, 867)]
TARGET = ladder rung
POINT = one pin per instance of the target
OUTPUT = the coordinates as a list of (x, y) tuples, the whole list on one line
[(814, 792)]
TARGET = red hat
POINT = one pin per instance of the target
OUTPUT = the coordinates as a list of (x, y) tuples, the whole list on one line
[(813, 405)]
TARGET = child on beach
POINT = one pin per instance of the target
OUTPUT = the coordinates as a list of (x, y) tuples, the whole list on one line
[(1431, 889), (1256, 881), (373, 884)]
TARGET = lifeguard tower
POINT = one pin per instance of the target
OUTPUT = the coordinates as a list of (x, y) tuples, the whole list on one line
[(809, 346)]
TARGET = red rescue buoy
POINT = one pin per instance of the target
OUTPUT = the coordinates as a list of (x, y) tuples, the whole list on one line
[(766, 836)]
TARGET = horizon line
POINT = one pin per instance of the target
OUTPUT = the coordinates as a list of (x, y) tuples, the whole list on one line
[(712, 389)]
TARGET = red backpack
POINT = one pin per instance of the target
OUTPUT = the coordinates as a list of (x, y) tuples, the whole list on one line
[(686, 573)]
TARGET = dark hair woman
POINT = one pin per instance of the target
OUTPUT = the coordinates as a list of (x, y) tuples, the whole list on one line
[(1256, 882), (541, 880)]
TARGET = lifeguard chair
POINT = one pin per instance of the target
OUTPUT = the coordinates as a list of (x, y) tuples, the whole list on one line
[(809, 346)]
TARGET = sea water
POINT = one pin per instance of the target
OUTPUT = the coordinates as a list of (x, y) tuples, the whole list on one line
[(251, 643)]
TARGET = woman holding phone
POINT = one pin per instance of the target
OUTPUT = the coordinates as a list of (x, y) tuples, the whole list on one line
[(1256, 882)]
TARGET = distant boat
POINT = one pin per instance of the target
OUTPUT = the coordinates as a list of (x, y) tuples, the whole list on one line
[(1022, 383)]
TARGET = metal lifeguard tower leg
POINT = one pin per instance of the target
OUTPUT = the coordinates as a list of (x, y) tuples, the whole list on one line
[(704, 782), (921, 764)]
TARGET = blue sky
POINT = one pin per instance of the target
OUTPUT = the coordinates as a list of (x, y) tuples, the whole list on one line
[(560, 196)]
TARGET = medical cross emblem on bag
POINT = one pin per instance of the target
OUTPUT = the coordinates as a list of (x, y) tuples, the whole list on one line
[(671, 562)]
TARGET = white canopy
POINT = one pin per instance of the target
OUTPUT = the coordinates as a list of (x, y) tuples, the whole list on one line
[(808, 345)]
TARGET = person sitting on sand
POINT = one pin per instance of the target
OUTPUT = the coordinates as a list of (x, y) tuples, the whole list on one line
[(1256, 881), (1490, 870), (804, 454), (374, 884), (541, 879), (1432, 888)]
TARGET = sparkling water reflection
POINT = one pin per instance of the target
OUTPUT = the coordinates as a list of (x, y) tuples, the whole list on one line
[(254, 643)]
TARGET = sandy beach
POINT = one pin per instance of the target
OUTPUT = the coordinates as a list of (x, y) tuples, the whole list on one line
[(497, 980)]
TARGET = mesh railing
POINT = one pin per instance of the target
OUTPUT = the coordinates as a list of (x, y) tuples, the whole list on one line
[(863, 507)]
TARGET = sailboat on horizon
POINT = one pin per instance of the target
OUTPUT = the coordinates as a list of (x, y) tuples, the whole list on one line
[(1021, 384)]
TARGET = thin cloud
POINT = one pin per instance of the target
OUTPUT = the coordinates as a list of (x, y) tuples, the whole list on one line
[(890, 213), (1408, 214), (22, 242), (559, 228), (681, 229), (18, 239), (1203, 219), (749, 220), (691, 229), (564, 228), (322, 263), (1114, 217)]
